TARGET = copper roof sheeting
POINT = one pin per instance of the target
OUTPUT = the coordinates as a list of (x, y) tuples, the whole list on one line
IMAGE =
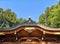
[(48, 28)]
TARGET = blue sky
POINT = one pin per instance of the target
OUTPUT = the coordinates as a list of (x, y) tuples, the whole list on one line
[(26, 8)]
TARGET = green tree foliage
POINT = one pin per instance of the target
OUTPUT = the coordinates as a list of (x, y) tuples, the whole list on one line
[(51, 17), (42, 18), (20, 20), (8, 19)]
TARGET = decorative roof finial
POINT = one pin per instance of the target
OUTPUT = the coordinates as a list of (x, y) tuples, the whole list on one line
[(29, 17)]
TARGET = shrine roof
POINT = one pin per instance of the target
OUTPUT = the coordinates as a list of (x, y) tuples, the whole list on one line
[(30, 22)]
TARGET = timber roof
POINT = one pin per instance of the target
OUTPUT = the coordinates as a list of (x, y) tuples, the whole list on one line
[(30, 22)]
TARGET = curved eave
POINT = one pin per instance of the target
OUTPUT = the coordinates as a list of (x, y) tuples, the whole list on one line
[(11, 29), (49, 29), (55, 31)]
